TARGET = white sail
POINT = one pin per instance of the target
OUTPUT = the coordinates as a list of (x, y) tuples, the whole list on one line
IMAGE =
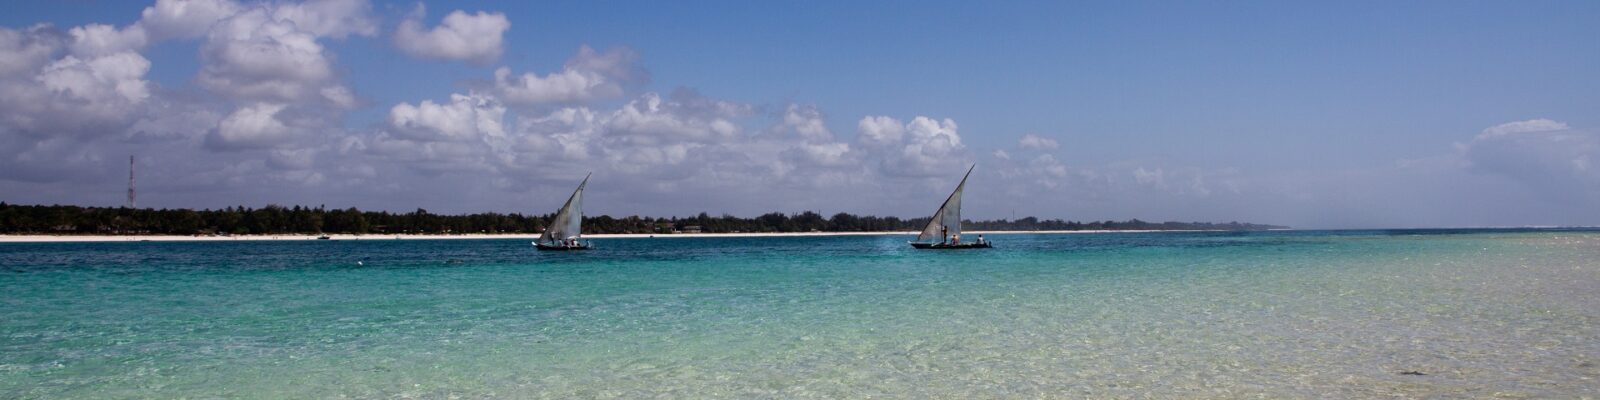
[(946, 221), (568, 223)]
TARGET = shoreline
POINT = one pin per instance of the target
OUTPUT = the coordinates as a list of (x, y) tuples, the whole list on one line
[(524, 236)]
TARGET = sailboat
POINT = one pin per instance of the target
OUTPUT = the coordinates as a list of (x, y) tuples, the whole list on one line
[(567, 227), (944, 230)]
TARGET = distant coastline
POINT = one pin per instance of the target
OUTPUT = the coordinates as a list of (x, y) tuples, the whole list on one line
[(86, 238), (270, 221), (36, 238)]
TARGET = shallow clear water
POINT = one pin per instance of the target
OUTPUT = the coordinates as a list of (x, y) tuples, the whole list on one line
[(1267, 314)]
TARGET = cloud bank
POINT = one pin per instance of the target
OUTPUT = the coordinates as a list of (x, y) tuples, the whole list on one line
[(267, 118)]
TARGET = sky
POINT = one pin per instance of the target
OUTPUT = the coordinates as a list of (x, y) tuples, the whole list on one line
[(1314, 115)]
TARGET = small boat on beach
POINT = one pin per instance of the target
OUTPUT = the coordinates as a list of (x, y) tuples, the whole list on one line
[(944, 229), (567, 227)]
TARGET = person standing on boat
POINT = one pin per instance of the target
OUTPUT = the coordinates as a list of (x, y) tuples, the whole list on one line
[(944, 234)]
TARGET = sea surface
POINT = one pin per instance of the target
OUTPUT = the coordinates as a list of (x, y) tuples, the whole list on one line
[(1288, 314)]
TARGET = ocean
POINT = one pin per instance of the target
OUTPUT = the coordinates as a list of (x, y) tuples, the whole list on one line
[(1282, 314)]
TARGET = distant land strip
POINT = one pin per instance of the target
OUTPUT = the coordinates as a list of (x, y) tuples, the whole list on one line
[(274, 219)]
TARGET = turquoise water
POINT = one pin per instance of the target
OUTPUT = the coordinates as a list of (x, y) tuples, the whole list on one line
[(1267, 314)]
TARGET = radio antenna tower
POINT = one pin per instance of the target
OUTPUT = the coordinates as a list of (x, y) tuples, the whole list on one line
[(133, 197)]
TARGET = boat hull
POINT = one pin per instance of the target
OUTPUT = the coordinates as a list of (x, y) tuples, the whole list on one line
[(949, 246), (556, 247)]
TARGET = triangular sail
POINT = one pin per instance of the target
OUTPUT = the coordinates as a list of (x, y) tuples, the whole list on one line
[(568, 222), (946, 221)]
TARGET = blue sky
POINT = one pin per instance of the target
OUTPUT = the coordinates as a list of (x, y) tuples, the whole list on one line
[(1351, 114)]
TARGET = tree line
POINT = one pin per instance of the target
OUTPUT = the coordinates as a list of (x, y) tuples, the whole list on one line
[(274, 219)]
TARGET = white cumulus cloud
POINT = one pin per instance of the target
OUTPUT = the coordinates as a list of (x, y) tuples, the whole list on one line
[(254, 126), (651, 120), (330, 18), (255, 56), (185, 18), (924, 147), (24, 51), (587, 76), (116, 78), (73, 95), (807, 122), (99, 39), (473, 37), (465, 117), (880, 130)]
